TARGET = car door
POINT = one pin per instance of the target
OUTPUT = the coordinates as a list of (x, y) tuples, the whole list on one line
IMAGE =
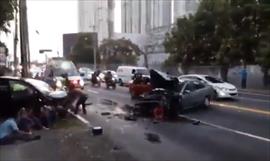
[(199, 92), (5, 98), (188, 97), (22, 94)]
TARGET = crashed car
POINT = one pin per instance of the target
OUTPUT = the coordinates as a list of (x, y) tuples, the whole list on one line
[(174, 96), (16, 93)]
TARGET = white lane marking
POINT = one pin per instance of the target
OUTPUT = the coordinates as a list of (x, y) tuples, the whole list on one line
[(92, 91), (83, 120), (228, 129), (256, 94), (253, 99)]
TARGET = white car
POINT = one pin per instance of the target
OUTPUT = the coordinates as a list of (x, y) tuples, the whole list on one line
[(222, 89), (86, 73), (125, 73)]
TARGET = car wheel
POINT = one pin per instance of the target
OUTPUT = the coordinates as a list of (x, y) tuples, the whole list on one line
[(121, 82), (215, 95), (206, 102)]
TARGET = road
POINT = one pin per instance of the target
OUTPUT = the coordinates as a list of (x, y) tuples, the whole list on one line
[(229, 130)]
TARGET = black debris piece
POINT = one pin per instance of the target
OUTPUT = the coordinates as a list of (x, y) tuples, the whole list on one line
[(196, 122), (153, 138), (130, 118), (97, 130), (105, 113)]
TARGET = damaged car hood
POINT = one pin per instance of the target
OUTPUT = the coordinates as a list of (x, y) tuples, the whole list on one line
[(161, 80)]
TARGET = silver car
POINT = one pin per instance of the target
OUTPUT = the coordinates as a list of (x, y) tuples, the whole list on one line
[(194, 93), (175, 95)]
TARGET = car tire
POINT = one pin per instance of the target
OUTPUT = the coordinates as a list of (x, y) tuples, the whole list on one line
[(206, 102), (215, 95), (121, 82)]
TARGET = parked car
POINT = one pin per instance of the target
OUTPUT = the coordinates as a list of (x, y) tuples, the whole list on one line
[(16, 93), (86, 73), (222, 89), (175, 95), (55, 70), (125, 73)]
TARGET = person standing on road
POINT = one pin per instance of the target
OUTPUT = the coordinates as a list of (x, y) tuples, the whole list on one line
[(78, 97), (243, 74)]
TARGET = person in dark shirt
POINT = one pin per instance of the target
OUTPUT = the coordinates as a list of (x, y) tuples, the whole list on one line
[(78, 98), (244, 74)]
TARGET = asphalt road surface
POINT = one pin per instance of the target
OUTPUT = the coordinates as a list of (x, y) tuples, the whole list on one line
[(237, 129)]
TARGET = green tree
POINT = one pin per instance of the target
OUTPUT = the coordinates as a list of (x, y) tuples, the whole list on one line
[(222, 32), (195, 40), (7, 8), (263, 54), (83, 51), (120, 51)]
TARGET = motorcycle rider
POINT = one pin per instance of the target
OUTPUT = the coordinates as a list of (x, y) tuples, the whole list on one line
[(108, 76), (95, 76), (109, 80)]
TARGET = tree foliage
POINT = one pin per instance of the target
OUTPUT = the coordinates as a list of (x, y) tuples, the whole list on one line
[(83, 50), (7, 8), (120, 51), (222, 32)]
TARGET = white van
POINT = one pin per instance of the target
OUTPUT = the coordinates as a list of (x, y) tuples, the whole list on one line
[(125, 73)]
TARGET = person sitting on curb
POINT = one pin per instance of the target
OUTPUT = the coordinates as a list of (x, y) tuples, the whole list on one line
[(9, 132)]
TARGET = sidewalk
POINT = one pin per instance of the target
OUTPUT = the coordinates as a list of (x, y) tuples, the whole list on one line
[(74, 143)]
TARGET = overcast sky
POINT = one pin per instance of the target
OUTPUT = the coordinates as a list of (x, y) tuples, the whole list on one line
[(48, 20)]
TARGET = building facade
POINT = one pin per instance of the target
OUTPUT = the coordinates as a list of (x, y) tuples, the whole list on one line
[(97, 16), (154, 18), (133, 16)]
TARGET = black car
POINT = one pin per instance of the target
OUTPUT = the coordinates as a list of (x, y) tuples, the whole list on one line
[(16, 93)]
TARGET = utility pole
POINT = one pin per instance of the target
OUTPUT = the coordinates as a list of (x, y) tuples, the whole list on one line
[(24, 40), (15, 43)]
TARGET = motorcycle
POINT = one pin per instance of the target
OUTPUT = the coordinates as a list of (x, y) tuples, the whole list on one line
[(95, 81), (110, 82)]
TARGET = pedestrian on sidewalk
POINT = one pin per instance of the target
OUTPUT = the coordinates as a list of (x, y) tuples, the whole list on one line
[(244, 74)]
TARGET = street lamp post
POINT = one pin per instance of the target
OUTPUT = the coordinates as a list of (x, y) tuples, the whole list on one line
[(94, 26)]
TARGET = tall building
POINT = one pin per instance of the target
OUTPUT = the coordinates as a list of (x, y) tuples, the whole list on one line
[(140, 16), (97, 16), (154, 18), (133, 16), (185, 7), (191, 6)]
